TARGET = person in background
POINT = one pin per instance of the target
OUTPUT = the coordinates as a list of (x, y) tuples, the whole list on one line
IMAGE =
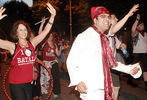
[(3, 58), (116, 44), (90, 59), (119, 53), (3, 53), (23, 55), (50, 54), (62, 57), (140, 45)]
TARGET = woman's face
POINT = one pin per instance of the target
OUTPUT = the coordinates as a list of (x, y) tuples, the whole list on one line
[(22, 31), (50, 37)]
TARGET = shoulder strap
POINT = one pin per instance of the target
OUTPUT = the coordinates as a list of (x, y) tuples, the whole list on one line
[(14, 50), (44, 45), (30, 44)]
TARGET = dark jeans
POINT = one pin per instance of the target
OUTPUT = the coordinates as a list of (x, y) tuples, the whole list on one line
[(56, 79), (21, 91), (36, 88)]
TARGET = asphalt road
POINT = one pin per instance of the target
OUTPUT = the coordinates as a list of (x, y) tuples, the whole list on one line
[(127, 92)]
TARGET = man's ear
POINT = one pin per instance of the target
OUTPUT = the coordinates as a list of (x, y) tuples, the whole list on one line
[(94, 20)]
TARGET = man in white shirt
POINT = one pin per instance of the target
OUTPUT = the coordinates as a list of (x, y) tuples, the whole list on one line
[(90, 59)]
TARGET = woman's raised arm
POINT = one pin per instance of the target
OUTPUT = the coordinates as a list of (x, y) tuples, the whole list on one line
[(35, 41), (4, 44)]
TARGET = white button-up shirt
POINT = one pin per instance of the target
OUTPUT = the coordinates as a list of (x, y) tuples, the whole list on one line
[(141, 46), (114, 46), (84, 62)]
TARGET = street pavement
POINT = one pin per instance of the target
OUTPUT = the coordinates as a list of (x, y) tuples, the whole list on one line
[(127, 92)]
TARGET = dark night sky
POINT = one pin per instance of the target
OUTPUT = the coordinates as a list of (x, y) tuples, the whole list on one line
[(119, 7)]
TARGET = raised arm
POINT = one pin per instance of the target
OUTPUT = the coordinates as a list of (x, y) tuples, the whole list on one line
[(41, 26), (7, 45), (2, 9), (4, 44), (117, 26), (35, 41), (58, 51), (133, 30)]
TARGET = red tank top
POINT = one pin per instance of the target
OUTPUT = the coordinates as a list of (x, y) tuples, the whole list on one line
[(48, 53), (22, 65)]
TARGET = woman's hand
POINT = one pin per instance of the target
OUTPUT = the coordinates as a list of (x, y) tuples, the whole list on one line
[(51, 9), (43, 20), (2, 9)]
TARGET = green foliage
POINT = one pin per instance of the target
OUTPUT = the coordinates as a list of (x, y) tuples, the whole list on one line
[(39, 8)]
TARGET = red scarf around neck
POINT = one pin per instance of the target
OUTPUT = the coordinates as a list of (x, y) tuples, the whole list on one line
[(108, 62), (141, 32)]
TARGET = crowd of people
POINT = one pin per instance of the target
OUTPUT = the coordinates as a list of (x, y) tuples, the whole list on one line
[(91, 63)]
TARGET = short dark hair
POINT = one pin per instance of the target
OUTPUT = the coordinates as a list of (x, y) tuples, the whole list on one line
[(140, 22)]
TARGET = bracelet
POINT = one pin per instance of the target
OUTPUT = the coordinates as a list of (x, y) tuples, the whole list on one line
[(50, 23)]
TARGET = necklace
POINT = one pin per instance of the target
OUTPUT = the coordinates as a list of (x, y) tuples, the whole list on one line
[(23, 44), (28, 51)]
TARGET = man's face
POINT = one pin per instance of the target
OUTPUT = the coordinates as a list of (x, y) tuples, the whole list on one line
[(102, 22), (140, 27), (114, 19)]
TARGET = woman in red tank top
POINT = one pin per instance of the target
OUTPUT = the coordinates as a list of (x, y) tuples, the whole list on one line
[(23, 52), (50, 54)]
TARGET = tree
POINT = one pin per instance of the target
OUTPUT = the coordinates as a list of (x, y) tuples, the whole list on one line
[(15, 11), (80, 15), (39, 8)]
